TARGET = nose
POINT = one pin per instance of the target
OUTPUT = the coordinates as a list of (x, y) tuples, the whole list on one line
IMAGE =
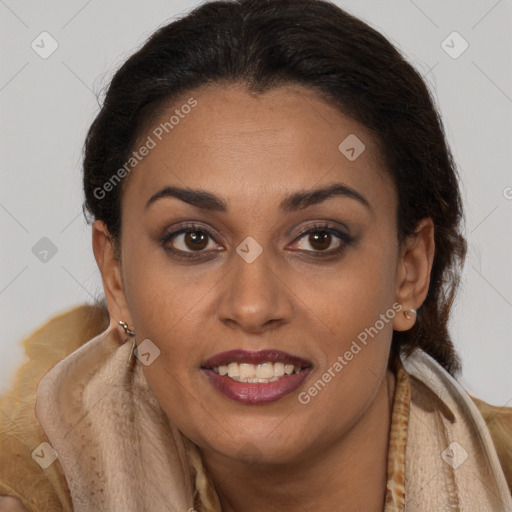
[(254, 298)]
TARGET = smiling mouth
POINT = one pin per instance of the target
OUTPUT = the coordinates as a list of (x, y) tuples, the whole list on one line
[(262, 373), (261, 367)]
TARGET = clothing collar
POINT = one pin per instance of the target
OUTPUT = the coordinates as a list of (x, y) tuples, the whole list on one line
[(448, 458), (395, 489)]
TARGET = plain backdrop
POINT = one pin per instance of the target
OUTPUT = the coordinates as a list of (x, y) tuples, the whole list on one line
[(48, 103)]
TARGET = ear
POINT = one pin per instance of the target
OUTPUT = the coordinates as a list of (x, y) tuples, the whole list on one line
[(109, 265), (413, 272)]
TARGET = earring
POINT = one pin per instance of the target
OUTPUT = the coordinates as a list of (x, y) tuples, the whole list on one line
[(127, 330), (409, 313), (130, 333)]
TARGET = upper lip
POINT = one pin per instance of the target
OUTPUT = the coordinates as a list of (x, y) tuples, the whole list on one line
[(259, 357)]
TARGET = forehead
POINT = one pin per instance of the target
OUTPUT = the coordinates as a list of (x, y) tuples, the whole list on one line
[(233, 143)]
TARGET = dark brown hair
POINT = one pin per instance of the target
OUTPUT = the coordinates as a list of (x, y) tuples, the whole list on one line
[(315, 44)]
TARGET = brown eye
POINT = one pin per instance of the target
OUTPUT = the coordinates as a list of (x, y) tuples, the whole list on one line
[(320, 240), (191, 242), (195, 240), (188, 240)]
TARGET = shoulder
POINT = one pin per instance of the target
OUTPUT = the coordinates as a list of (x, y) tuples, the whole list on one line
[(499, 423), (21, 434)]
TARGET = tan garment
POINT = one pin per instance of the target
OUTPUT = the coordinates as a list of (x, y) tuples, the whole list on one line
[(117, 451), (441, 454)]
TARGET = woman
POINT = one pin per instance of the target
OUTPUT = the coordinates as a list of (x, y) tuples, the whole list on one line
[(276, 219)]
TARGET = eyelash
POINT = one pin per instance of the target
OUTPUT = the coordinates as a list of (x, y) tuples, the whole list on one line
[(345, 239)]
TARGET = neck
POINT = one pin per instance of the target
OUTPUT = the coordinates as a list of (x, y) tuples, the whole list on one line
[(349, 474)]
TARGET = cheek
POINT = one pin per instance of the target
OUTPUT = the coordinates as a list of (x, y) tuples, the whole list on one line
[(165, 302), (351, 296), (357, 307), (163, 296)]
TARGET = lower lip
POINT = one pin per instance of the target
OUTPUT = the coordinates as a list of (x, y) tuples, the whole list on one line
[(257, 392)]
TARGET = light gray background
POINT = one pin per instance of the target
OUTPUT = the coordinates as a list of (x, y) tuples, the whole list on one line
[(48, 104)]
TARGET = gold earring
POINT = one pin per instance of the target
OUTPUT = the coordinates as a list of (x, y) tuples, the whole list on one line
[(127, 330), (409, 312), (130, 333)]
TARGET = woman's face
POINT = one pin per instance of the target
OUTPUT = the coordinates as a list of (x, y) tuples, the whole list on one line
[(256, 281)]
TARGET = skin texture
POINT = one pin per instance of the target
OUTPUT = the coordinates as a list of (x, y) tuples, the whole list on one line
[(329, 454)]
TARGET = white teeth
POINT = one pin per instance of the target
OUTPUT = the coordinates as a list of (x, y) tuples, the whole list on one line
[(245, 371), (278, 369), (265, 372), (233, 370)]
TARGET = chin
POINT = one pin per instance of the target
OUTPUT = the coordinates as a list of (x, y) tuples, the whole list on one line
[(259, 449)]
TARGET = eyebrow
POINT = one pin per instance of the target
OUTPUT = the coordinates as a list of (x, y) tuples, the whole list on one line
[(294, 202)]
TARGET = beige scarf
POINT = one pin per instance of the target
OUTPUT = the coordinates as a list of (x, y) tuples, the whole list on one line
[(120, 452)]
